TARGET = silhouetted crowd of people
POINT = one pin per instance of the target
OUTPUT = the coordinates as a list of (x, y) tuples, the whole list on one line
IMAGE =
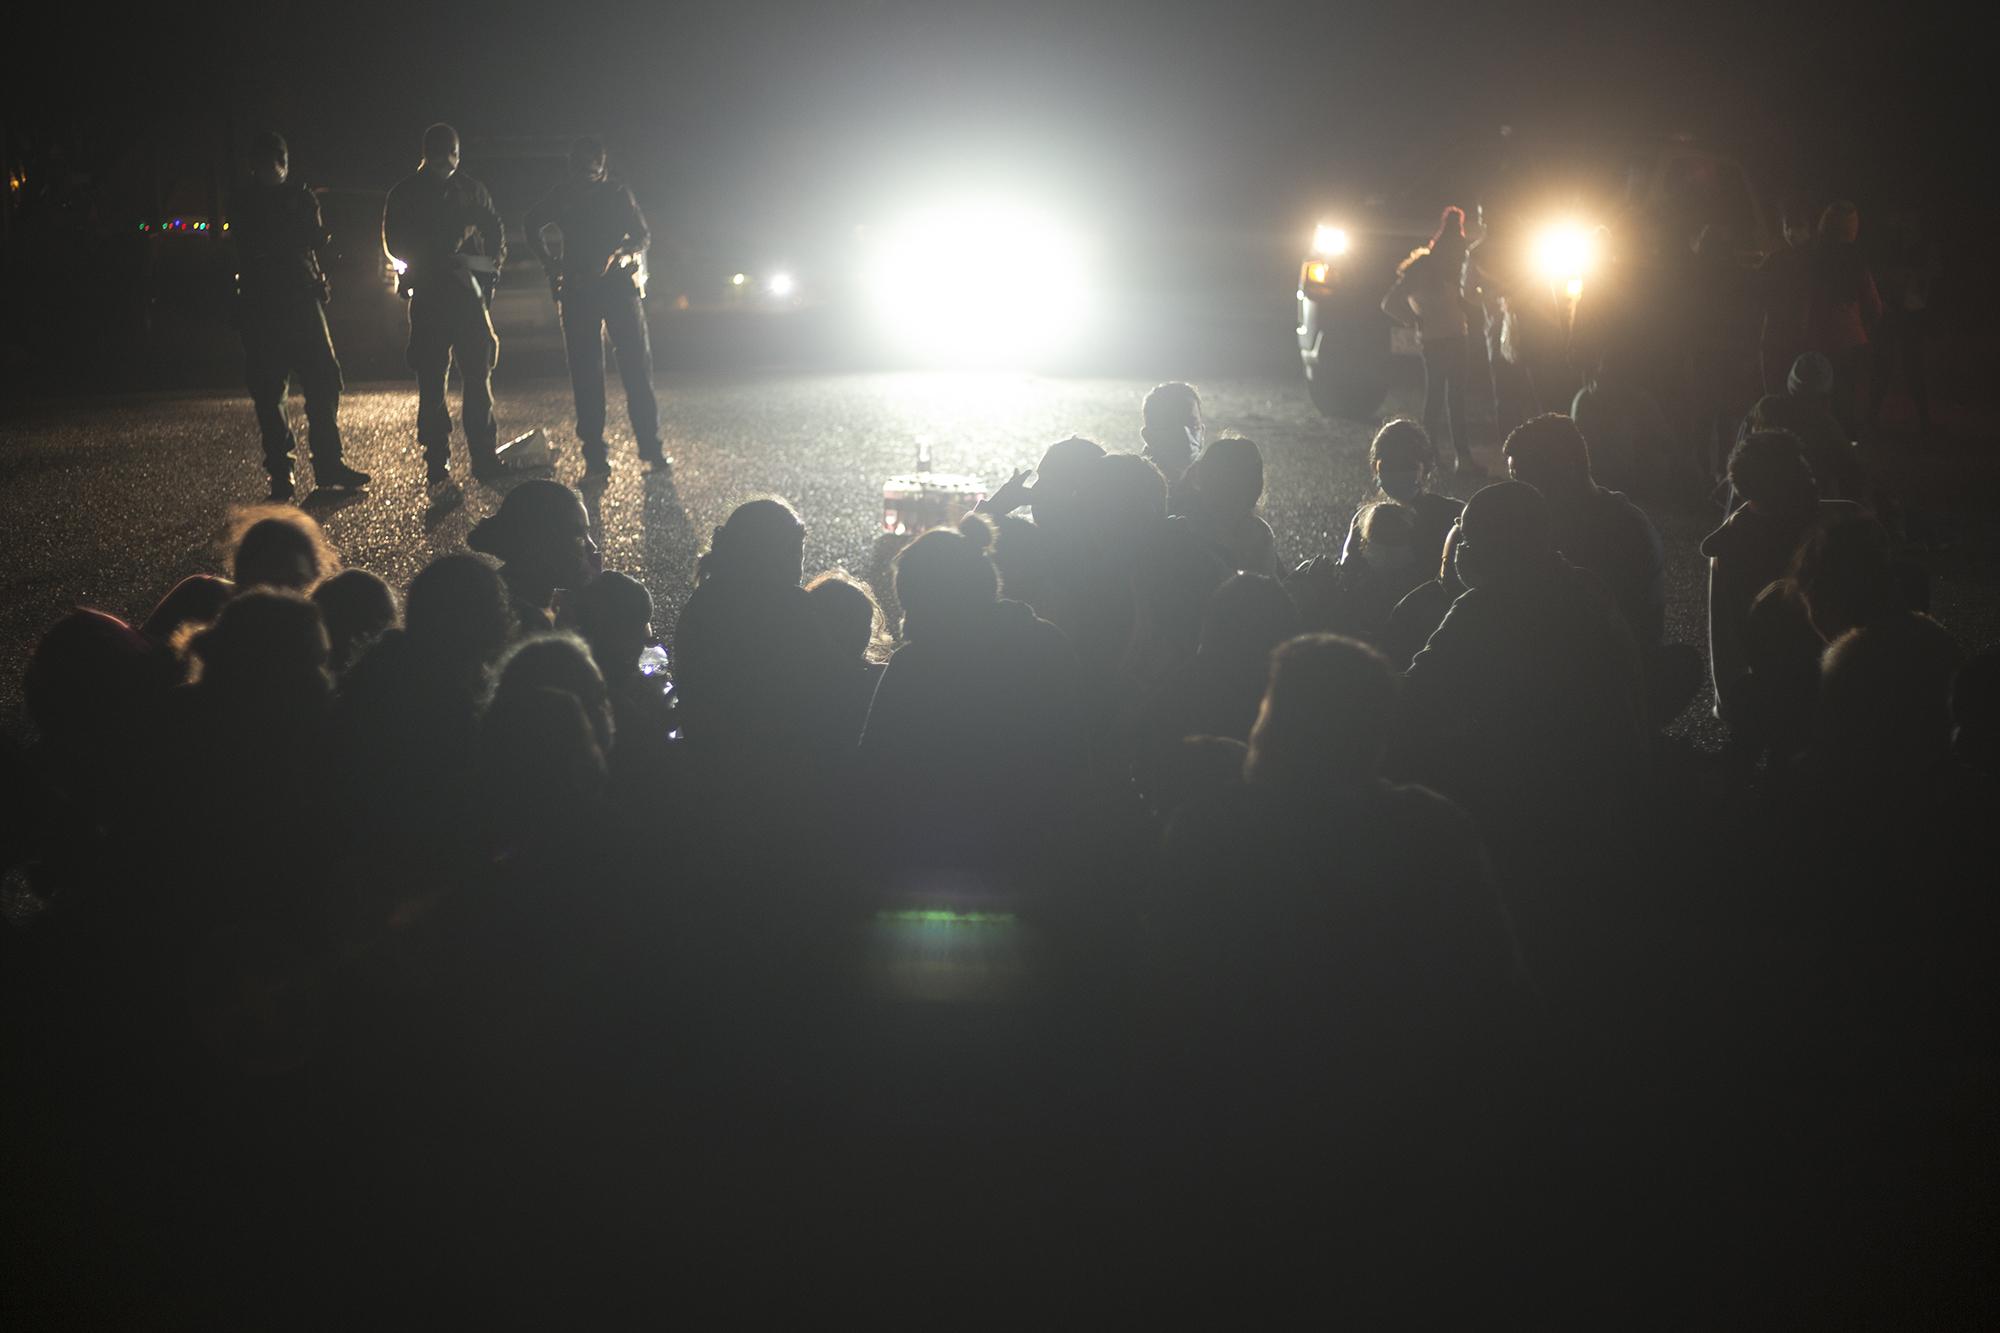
[(1671, 334), (1120, 909)]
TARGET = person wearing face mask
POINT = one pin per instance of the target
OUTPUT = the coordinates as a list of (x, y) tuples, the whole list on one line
[(1224, 486), (541, 536), (281, 298), (595, 281), (440, 223), (1404, 462), (1173, 434)]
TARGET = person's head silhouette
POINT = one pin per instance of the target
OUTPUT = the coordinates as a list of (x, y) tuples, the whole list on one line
[(1549, 453), (440, 150), (1504, 533), (457, 612), (1059, 482), (559, 662), (944, 576), (1403, 459), (281, 548), (848, 613), (1326, 718), (614, 615), (763, 542), (1768, 469), (358, 608), (586, 157), (1229, 476), (270, 158), (1388, 536), (1172, 427), (541, 536), (268, 647)]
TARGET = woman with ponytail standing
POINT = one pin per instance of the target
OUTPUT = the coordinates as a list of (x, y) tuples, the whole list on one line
[(1427, 297)]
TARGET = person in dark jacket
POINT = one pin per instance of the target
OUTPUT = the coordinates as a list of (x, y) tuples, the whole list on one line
[(541, 537), (977, 723), (281, 294), (1751, 550), (1531, 686), (1603, 533), (753, 668), (440, 226), (595, 281)]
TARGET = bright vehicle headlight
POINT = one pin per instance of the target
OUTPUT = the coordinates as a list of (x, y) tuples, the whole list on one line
[(1566, 253), (983, 281), (782, 284), (1329, 241)]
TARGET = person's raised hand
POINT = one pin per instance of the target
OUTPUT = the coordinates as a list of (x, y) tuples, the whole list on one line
[(1013, 493)]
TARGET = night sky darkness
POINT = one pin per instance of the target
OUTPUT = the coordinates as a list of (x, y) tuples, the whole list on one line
[(793, 107)]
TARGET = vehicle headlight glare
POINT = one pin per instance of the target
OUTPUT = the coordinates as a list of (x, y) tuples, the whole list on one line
[(1329, 241), (981, 281), (1565, 253)]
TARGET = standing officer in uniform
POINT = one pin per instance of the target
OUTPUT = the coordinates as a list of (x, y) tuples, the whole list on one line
[(281, 291), (442, 226), (595, 282)]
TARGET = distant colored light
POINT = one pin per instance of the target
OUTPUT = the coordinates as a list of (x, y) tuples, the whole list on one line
[(1316, 272), (225, 226), (145, 226), (941, 917), (782, 284), (737, 280)]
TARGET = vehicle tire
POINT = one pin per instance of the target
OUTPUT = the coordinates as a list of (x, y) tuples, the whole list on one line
[(1351, 378)]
